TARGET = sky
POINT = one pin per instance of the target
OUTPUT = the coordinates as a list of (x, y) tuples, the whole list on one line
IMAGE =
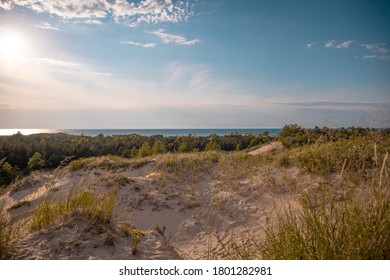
[(194, 64)]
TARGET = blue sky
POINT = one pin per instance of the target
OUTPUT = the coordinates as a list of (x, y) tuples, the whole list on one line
[(193, 64)]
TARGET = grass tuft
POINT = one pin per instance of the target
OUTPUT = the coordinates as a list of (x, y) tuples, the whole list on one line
[(79, 164), (97, 208)]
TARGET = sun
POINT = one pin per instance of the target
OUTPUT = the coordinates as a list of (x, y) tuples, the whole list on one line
[(12, 47)]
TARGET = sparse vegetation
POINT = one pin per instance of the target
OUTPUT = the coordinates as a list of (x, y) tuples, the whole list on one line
[(136, 236), (239, 164), (190, 166), (8, 233)]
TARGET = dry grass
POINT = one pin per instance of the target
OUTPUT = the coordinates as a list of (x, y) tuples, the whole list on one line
[(357, 228), (8, 234), (109, 162), (237, 165), (354, 227), (187, 168)]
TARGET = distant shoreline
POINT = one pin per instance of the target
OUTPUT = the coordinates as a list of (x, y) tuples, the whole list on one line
[(145, 132)]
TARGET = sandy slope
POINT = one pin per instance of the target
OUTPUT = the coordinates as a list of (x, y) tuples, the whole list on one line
[(190, 216)]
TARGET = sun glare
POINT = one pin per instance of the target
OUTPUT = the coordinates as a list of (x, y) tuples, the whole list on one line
[(12, 47)]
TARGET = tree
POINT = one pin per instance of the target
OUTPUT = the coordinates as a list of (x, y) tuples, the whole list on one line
[(212, 146), (292, 135), (145, 150), (36, 162), (187, 144), (6, 174), (159, 147)]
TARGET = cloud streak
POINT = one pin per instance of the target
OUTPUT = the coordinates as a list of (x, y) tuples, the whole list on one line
[(130, 13), (54, 62), (148, 45), (173, 39)]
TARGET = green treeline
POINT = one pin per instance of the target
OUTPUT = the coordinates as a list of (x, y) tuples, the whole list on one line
[(20, 154)]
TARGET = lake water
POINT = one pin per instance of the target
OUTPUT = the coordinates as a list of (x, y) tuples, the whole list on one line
[(144, 132)]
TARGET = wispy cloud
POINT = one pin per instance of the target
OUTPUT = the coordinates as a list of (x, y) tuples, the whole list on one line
[(377, 56), (54, 62), (196, 79), (336, 104), (377, 48), (379, 51), (344, 45), (46, 25), (173, 39), (330, 43), (131, 13), (148, 45)]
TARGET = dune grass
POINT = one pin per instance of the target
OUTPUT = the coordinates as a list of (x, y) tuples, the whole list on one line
[(239, 164), (357, 226), (8, 233), (189, 167), (79, 164), (97, 208), (108, 162)]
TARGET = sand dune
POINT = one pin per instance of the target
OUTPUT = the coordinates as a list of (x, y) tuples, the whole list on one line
[(191, 208)]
